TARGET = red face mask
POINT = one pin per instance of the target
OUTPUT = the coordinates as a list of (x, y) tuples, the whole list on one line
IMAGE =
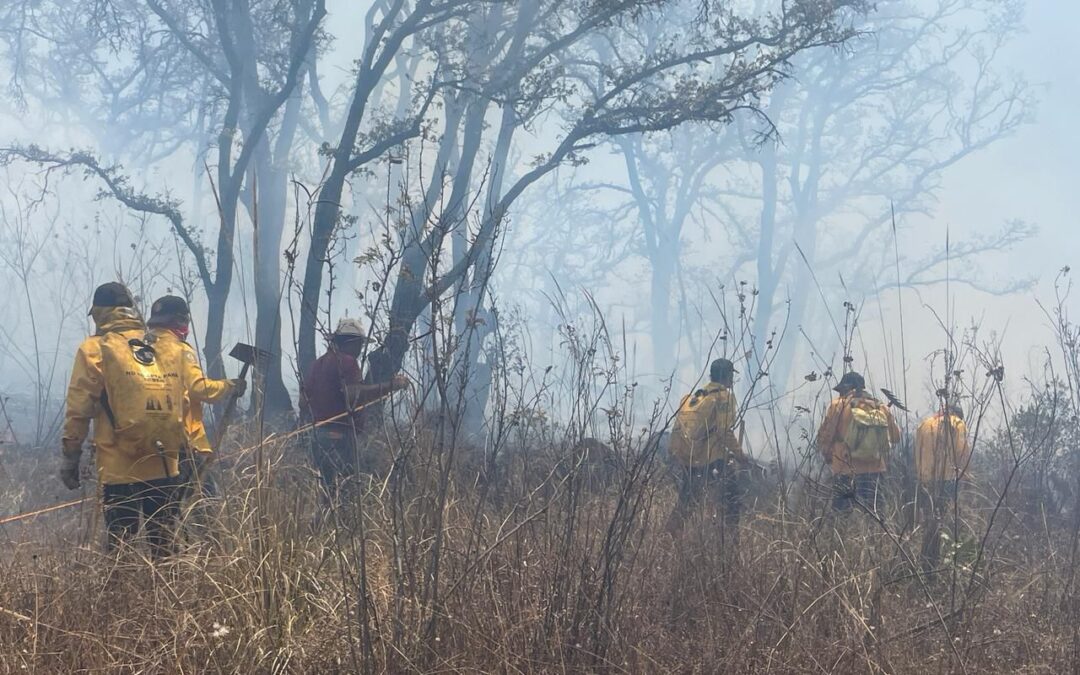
[(181, 332)]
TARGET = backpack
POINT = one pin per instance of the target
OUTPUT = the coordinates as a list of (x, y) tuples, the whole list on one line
[(144, 397), (867, 437), (700, 423)]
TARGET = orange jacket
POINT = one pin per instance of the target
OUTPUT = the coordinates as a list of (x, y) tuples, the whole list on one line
[(198, 388), (941, 448), (830, 437)]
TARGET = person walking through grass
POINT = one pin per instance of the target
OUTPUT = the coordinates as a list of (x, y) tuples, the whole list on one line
[(854, 439), (332, 390), (707, 452), (134, 399)]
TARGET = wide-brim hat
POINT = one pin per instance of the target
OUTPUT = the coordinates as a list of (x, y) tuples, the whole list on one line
[(350, 329)]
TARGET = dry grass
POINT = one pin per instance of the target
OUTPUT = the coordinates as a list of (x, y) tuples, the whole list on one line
[(541, 575)]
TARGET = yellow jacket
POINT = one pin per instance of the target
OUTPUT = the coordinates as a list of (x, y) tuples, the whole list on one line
[(830, 438), (198, 388), (116, 462), (941, 448), (704, 427)]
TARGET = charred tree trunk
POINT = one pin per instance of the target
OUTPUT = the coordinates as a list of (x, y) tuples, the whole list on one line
[(475, 317)]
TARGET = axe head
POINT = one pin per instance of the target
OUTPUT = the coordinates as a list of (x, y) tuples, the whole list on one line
[(248, 354)]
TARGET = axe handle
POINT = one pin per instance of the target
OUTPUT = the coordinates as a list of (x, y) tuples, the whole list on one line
[(230, 410)]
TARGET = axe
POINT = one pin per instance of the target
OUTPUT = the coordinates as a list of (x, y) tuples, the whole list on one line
[(248, 355)]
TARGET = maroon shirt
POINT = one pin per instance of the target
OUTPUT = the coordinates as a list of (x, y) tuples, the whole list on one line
[(324, 386)]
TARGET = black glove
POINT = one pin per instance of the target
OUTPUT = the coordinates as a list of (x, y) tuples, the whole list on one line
[(239, 387), (69, 471)]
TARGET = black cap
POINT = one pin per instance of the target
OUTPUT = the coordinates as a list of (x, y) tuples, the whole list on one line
[(113, 294), (955, 409), (169, 309), (850, 381), (721, 369)]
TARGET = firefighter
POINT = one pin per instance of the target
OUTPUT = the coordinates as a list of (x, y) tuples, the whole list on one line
[(942, 455), (854, 439), (942, 452), (169, 323), (331, 389), (706, 451), (134, 400)]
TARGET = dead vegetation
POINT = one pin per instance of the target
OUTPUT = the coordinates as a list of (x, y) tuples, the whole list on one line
[(548, 553), (542, 547)]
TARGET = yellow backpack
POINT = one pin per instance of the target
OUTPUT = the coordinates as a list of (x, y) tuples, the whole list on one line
[(867, 437), (144, 397), (697, 437)]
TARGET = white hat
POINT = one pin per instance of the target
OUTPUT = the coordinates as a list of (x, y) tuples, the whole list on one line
[(350, 328)]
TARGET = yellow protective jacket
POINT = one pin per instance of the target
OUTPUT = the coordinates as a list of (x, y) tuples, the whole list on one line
[(116, 462), (941, 448), (704, 427), (198, 388), (830, 438)]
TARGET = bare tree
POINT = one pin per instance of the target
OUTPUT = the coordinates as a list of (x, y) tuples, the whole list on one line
[(867, 132), (549, 66), (43, 262), (146, 80)]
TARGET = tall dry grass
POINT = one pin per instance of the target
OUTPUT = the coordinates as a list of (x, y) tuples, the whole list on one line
[(429, 571), (521, 552)]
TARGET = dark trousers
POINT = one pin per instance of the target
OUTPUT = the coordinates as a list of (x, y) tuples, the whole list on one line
[(716, 484), (334, 456), (862, 488), (195, 476), (938, 496), (935, 502), (151, 506)]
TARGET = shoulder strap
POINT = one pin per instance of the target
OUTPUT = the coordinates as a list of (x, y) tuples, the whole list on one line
[(844, 403), (107, 409)]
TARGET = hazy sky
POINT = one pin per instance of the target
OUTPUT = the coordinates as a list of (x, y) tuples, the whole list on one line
[(1033, 176)]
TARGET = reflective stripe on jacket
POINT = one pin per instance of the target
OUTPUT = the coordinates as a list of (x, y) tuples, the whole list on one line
[(941, 448), (830, 438)]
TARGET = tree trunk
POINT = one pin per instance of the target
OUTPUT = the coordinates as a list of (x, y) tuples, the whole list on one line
[(768, 269), (663, 333), (405, 307), (218, 296), (780, 370), (271, 183), (272, 397), (326, 216), (474, 319), (806, 237)]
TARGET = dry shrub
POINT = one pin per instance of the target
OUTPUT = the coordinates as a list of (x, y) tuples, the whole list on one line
[(422, 572)]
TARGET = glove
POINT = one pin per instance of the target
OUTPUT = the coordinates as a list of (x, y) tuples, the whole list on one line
[(187, 466), (239, 387), (193, 464), (399, 382), (69, 471)]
